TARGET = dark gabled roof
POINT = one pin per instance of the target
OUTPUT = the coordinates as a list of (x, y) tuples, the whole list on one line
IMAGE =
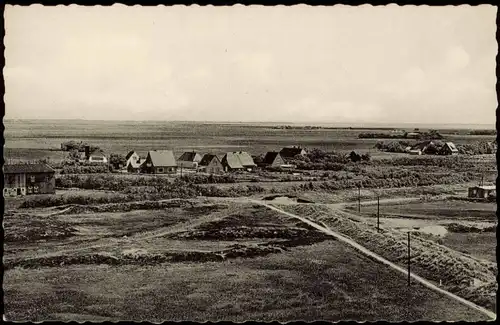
[(207, 158), (129, 155), (270, 157), (162, 158), (290, 152), (27, 168), (188, 156)]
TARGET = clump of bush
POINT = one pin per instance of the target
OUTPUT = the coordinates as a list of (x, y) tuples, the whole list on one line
[(79, 146), (393, 146), (461, 228), (107, 182), (477, 148), (355, 157), (85, 169), (317, 159)]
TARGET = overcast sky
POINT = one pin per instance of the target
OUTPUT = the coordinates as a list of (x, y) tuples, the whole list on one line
[(300, 64)]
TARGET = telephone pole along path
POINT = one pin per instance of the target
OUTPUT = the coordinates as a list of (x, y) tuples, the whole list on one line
[(379, 258)]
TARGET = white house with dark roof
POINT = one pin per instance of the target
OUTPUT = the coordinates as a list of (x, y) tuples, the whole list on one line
[(134, 162), (95, 155)]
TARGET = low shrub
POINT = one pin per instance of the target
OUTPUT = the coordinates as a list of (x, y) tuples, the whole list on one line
[(393, 146), (208, 179), (476, 148), (54, 200), (85, 169)]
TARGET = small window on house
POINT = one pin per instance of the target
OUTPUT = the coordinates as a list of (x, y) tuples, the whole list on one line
[(160, 170), (32, 179)]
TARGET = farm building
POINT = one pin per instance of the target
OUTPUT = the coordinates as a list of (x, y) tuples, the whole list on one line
[(417, 152), (291, 152), (238, 160), (449, 148), (273, 159), (189, 160), (211, 164), (482, 192), (96, 156), (159, 162), (25, 179), (134, 162)]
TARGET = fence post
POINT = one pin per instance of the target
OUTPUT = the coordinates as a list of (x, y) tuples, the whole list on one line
[(378, 213)]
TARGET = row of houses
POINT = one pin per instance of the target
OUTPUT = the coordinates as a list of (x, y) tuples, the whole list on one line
[(39, 178), (164, 162)]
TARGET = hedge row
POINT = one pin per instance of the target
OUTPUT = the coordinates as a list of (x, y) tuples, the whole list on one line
[(86, 169), (53, 200), (208, 179)]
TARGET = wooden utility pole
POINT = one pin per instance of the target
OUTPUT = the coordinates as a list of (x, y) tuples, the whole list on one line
[(359, 198), (378, 212), (408, 258)]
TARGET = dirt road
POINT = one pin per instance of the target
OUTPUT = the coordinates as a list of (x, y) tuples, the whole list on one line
[(367, 252)]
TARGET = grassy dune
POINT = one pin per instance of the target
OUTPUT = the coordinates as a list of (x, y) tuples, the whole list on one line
[(470, 278), (325, 281), (198, 262)]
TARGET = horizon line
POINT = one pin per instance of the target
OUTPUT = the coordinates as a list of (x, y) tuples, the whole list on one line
[(311, 123), (228, 121)]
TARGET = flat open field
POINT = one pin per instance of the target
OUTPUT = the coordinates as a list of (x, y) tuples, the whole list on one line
[(133, 247), (37, 139), (468, 227), (198, 260)]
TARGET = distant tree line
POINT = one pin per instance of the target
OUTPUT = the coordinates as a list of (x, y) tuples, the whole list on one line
[(483, 132), (78, 146), (473, 148), (429, 135)]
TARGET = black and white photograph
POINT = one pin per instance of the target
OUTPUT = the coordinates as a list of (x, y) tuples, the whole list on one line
[(250, 163)]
